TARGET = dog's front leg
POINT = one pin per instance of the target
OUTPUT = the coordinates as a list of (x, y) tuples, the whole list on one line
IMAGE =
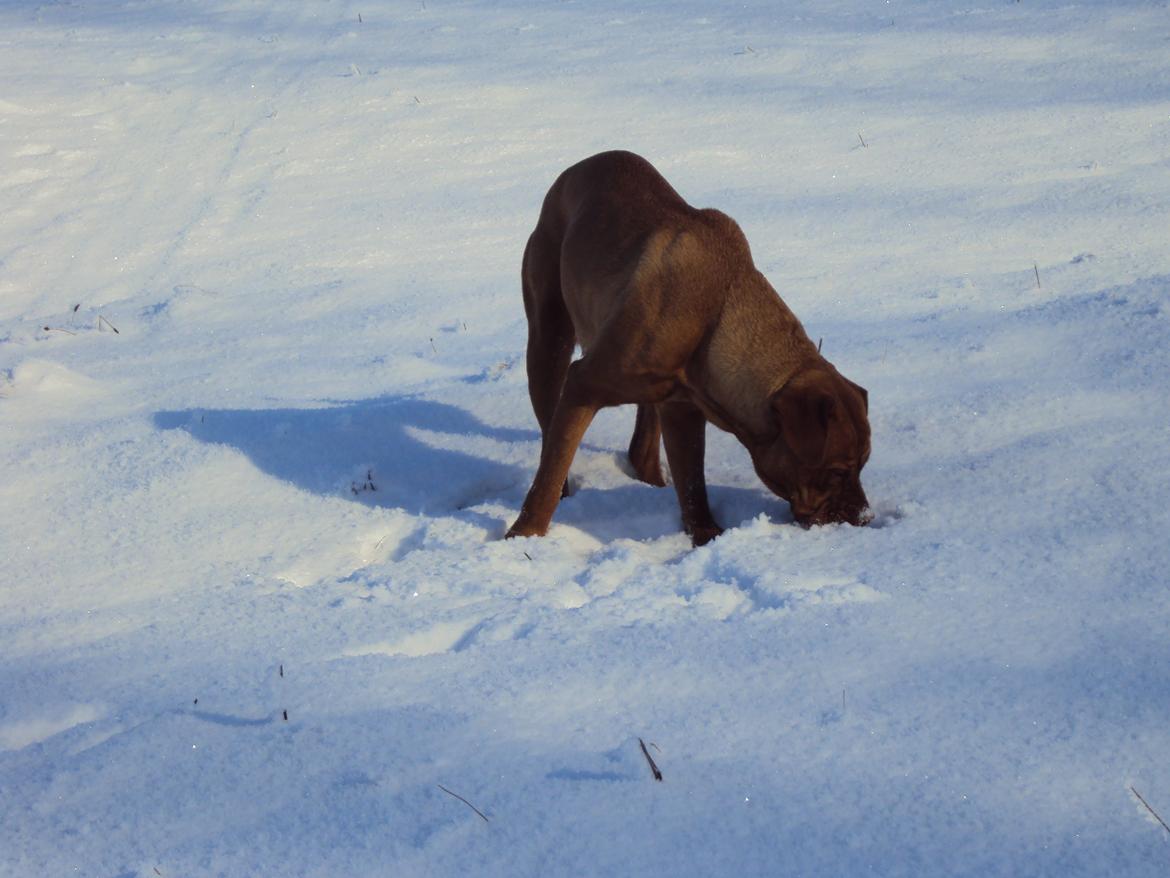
[(684, 432), (573, 414)]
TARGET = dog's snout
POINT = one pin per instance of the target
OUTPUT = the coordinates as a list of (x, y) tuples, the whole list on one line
[(857, 517)]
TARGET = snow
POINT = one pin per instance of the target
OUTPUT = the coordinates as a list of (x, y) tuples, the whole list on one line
[(265, 422)]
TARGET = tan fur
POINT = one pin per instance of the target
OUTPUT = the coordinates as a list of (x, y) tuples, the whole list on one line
[(672, 314)]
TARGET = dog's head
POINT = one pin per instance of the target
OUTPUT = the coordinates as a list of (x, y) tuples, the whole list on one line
[(821, 442)]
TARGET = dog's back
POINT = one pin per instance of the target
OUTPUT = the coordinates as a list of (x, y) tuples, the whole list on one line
[(612, 224), (620, 186)]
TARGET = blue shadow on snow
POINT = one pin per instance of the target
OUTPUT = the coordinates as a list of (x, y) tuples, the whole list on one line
[(386, 452)]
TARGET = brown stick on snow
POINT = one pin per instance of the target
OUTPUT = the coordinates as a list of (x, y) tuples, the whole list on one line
[(650, 759), (464, 801), (1151, 810)]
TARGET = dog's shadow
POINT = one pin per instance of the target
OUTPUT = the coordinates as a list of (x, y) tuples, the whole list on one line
[(407, 453), (431, 458)]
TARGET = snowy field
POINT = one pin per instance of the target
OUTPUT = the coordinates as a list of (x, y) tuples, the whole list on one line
[(264, 422)]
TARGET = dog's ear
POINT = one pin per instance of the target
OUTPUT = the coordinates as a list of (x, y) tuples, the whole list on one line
[(864, 393), (803, 409), (826, 407)]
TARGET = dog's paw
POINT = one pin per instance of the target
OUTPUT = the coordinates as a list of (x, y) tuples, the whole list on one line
[(700, 536), (522, 528)]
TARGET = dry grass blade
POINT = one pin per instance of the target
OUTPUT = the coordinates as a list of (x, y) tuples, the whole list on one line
[(1157, 816), (650, 759), (464, 801)]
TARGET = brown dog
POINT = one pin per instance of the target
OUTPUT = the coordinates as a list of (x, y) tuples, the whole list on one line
[(672, 314)]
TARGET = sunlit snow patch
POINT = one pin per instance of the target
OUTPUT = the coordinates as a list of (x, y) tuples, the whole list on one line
[(436, 639), (22, 733)]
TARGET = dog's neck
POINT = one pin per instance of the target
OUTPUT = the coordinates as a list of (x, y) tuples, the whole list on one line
[(756, 347)]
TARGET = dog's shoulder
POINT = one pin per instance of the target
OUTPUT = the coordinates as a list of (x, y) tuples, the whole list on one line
[(721, 234), (698, 254)]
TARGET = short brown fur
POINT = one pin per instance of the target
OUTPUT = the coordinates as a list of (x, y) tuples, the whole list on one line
[(672, 314)]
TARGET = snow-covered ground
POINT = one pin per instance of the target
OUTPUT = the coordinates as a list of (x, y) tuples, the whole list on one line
[(264, 421)]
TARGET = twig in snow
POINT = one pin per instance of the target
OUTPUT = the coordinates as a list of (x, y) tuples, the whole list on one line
[(102, 320), (747, 50), (368, 485), (1036, 268), (359, 18), (464, 801), (433, 348), (864, 145), (819, 342), (282, 670), (526, 555), (59, 329), (650, 759), (1151, 810), (285, 712)]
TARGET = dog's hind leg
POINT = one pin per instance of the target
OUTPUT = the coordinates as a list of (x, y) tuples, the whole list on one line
[(550, 329), (644, 455), (684, 433)]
